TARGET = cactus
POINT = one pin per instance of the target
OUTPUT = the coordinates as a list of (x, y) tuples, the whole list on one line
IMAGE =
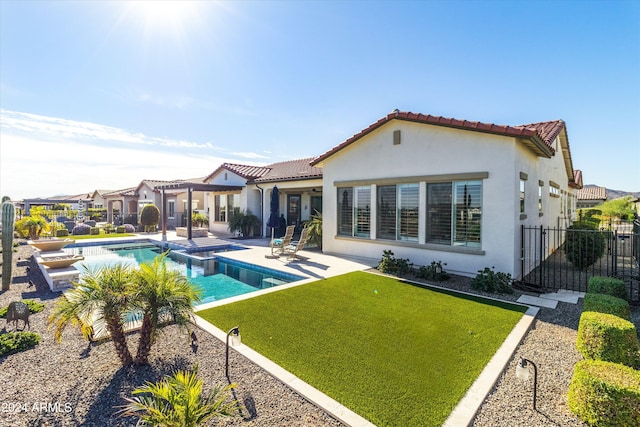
[(8, 221)]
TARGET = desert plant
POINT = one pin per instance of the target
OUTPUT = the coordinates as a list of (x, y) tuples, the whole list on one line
[(178, 401), (489, 280), (244, 223), (128, 228), (199, 219), (433, 271), (8, 218), (160, 294), (389, 264), (608, 286), (31, 226), (605, 394), (315, 229), (101, 299), (150, 217), (608, 304), (81, 230), (15, 342), (607, 337), (584, 244)]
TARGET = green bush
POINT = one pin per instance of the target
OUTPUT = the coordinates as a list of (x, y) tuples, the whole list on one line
[(94, 231), (434, 271), (389, 264), (607, 286), (607, 337), (149, 217), (62, 233), (15, 342), (120, 229), (605, 394), (488, 280), (584, 244), (608, 304), (34, 307)]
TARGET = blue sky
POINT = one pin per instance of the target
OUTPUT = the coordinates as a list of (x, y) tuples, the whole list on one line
[(100, 95)]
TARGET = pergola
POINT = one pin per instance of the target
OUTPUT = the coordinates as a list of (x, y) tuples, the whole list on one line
[(190, 187)]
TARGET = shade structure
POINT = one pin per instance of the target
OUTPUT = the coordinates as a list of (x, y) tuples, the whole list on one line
[(274, 209)]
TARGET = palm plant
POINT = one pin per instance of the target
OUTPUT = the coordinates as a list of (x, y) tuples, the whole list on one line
[(177, 401), (100, 301), (161, 295), (315, 229)]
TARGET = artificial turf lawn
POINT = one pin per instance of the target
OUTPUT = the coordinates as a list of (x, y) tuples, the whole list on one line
[(397, 354)]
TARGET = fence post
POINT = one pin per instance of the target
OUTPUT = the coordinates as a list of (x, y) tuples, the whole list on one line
[(542, 263), (614, 254)]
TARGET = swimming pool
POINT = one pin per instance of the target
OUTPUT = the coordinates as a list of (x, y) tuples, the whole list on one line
[(219, 278)]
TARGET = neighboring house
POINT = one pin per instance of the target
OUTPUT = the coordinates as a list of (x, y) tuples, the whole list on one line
[(76, 202), (250, 187), (124, 206), (97, 198), (591, 196), (438, 189)]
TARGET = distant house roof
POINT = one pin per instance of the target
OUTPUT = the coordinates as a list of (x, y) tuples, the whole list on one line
[(592, 193), (540, 136), (290, 170)]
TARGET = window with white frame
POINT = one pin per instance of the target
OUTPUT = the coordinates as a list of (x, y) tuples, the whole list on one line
[(171, 209), (454, 213), (225, 205), (540, 192), (398, 210), (354, 211), (522, 195), (345, 211)]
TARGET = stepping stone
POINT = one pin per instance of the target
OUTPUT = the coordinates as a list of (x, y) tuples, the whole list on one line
[(540, 302), (568, 298)]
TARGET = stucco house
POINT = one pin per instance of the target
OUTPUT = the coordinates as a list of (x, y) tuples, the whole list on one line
[(438, 189), (250, 187), (591, 196)]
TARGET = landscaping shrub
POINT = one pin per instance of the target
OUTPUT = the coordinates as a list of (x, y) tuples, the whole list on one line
[(150, 217), (128, 228), (120, 229), (389, 264), (62, 233), (605, 394), (34, 307), (489, 280), (584, 244), (94, 231), (608, 304), (434, 271), (15, 342), (607, 337), (607, 286), (81, 230)]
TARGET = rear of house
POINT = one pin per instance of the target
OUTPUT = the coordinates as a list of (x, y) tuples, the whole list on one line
[(436, 189)]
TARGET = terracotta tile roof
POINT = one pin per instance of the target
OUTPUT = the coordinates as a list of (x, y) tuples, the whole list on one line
[(592, 193), (542, 135), (246, 171), (291, 170)]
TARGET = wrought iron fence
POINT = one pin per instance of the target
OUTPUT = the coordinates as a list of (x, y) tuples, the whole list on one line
[(565, 258)]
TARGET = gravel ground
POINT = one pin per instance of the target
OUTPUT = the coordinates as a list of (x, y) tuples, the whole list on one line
[(72, 383)]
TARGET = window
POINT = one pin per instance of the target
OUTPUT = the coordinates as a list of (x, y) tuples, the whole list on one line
[(225, 206), (408, 195), (468, 213), (554, 189), (540, 191), (386, 225), (522, 196), (454, 213), (345, 211), (171, 209)]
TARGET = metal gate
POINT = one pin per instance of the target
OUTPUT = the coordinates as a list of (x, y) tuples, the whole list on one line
[(548, 259)]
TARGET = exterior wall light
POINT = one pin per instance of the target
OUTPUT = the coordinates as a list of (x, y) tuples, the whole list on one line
[(522, 372), (235, 340)]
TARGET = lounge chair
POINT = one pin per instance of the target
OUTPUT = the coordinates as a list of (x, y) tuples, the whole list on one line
[(292, 249), (278, 245)]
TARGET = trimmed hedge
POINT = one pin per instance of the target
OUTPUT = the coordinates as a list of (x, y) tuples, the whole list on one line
[(94, 231), (608, 304), (607, 337), (605, 394), (120, 229), (62, 233), (584, 244), (607, 286)]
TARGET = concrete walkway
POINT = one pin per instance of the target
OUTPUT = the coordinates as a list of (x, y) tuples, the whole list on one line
[(551, 300)]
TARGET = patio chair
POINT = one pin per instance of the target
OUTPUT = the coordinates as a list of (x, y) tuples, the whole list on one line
[(292, 249), (278, 245), (18, 310)]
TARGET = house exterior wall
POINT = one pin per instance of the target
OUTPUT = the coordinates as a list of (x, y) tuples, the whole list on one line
[(224, 177), (428, 153)]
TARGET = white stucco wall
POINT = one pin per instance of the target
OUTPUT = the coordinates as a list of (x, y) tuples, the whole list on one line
[(424, 152)]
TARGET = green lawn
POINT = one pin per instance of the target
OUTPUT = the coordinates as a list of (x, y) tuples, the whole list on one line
[(397, 354)]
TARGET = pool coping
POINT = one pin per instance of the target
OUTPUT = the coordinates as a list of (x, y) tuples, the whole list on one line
[(462, 415)]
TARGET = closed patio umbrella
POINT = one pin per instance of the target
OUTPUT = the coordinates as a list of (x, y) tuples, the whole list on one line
[(274, 210)]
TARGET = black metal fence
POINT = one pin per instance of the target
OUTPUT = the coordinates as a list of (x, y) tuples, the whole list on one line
[(565, 258)]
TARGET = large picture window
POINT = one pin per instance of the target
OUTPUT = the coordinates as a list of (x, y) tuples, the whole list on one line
[(354, 211), (387, 216), (454, 213), (345, 211), (408, 201), (225, 206)]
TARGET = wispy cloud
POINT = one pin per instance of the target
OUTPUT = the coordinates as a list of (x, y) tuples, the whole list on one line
[(43, 156)]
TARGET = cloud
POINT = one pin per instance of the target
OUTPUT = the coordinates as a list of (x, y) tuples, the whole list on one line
[(43, 156)]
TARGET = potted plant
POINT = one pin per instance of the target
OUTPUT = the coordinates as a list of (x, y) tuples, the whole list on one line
[(244, 223)]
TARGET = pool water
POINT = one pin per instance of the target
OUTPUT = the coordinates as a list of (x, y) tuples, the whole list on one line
[(217, 277)]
